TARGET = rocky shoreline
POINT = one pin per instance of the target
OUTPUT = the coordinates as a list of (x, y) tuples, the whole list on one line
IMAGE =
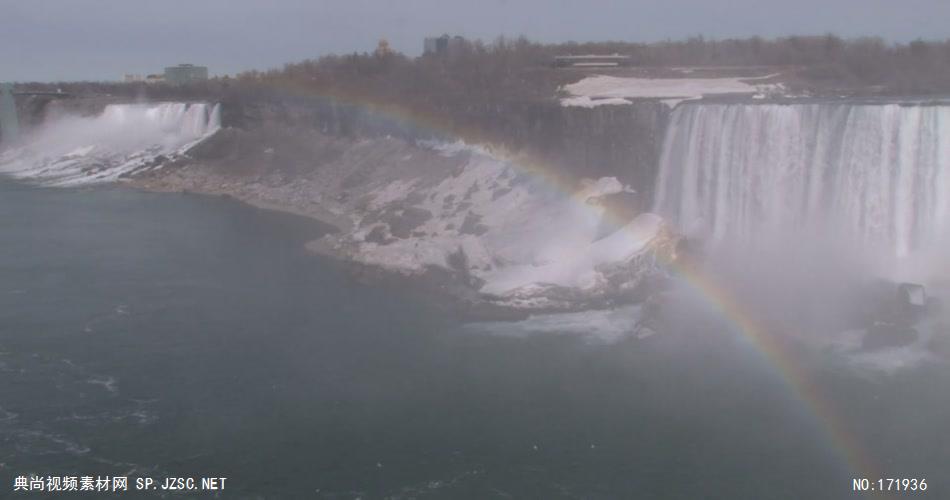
[(452, 289), (503, 234), (445, 290)]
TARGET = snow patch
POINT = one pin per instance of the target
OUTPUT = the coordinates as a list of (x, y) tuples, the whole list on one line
[(611, 90), (516, 230), (585, 101)]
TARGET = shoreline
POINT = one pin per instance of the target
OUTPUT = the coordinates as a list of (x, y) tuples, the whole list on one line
[(441, 286), (448, 289), (339, 222)]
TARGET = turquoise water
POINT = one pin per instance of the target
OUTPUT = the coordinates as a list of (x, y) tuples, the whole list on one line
[(157, 335)]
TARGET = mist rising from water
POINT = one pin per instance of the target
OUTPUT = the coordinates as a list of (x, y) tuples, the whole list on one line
[(871, 181), (801, 209), (72, 150)]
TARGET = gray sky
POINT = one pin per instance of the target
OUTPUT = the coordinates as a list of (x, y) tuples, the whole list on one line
[(103, 39)]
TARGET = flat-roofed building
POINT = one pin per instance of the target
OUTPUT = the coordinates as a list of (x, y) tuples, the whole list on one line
[(185, 73), (592, 61), (444, 45)]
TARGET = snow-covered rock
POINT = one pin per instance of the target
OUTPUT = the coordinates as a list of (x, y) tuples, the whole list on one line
[(512, 231), (524, 240)]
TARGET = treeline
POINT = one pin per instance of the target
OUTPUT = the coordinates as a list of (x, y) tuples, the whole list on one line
[(477, 73), (472, 72), (757, 51), (504, 92), (820, 61), (470, 86), (519, 69)]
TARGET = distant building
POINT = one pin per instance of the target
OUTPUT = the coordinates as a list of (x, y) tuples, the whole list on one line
[(383, 49), (592, 61), (139, 78), (434, 44), (444, 45), (185, 73)]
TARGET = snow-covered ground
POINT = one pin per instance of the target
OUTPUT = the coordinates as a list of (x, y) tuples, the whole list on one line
[(501, 223), (519, 232), (613, 90)]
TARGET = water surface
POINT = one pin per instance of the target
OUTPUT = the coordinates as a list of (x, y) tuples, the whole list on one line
[(167, 335)]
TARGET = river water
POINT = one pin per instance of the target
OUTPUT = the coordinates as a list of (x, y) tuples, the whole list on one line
[(164, 335)]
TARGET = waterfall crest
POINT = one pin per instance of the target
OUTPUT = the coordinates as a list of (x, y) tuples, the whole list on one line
[(124, 138), (876, 176)]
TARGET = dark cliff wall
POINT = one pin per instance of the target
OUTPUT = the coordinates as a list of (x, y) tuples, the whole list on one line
[(621, 141), (30, 110), (624, 141), (573, 142)]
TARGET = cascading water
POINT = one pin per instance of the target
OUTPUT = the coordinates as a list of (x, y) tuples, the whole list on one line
[(874, 176), (123, 139)]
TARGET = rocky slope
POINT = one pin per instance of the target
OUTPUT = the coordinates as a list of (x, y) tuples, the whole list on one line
[(502, 231), (550, 220)]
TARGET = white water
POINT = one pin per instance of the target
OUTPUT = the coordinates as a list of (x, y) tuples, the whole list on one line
[(595, 326), (124, 138), (535, 234), (874, 177)]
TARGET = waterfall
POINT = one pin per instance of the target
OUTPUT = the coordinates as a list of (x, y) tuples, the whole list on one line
[(123, 139), (875, 176)]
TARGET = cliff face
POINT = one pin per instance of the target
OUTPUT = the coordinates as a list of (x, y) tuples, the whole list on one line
[(520, 202), (571, 142), (50, 109), (620, 141), (520, 239), (30, 111)]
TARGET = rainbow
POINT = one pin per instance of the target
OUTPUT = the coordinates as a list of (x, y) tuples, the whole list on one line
[(438, 125), (799, 383)]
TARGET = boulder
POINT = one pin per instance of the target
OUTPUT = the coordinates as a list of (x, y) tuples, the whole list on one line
[(894, 303)]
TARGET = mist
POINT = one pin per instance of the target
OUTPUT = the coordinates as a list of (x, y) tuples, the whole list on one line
[(611, 250)]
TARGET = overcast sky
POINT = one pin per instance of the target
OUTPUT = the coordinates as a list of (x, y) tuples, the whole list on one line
[(103, 39)]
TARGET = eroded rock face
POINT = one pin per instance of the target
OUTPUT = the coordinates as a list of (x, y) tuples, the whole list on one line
[(515, 234), (526, 242), (515, 227), (895, 315), (626, 267)]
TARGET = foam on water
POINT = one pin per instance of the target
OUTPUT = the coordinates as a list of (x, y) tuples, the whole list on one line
[(601, 326), (37, 442), (124, 138), (887, 361), (107, 383), (7, 416)]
